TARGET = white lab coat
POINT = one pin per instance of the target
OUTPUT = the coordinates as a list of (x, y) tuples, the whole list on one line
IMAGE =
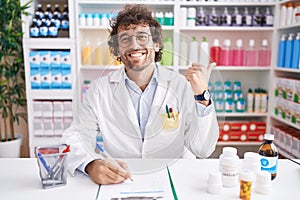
[(107, 110)]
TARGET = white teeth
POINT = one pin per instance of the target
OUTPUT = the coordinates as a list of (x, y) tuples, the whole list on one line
[(136, 54)]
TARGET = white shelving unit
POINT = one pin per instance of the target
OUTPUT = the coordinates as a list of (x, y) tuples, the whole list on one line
[(64, 43), (288, 73), (251, 77)]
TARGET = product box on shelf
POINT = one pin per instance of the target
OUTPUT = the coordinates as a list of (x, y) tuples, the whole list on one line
[(289, 89), (240, 136), (297, 91), (296, 114), (279, 87), (296, 145), (255, 136)]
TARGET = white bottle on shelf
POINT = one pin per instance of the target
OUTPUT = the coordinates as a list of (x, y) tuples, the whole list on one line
[(193, 51), (183, 52), (204, 52), (283, 12), (191, 17)]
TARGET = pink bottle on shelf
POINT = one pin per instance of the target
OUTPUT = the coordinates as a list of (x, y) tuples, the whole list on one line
[(239, 54), (264, 54), (251, 54), (227, 53)]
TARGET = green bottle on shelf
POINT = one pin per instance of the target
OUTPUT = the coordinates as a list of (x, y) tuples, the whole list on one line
[(167, 57)]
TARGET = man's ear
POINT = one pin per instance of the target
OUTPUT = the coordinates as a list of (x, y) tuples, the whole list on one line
[(156, 47)]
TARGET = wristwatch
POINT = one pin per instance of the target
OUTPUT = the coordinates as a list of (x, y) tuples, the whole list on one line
[(205, 96)]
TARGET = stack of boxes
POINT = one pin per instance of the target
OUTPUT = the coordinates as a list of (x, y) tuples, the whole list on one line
[(287, 103), (287, 140), (50, 69), (242, 131), (51, 117)]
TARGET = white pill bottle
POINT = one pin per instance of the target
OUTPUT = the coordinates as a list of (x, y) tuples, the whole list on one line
[(229, 167)]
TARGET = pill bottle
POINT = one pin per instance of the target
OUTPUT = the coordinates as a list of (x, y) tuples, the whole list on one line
[(263, 183), (246, 179), (229, 166)]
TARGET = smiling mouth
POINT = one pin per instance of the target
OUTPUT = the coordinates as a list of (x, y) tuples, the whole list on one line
[(136, 55)]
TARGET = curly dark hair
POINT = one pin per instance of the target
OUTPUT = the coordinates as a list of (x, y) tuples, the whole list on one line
[(139, 15)]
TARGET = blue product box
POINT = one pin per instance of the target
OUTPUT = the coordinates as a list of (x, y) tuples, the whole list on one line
[(66, 79), (45, 79), (45, 59), (35, 78), (65, 60), (55, 59), (34, 59), (56, 78)]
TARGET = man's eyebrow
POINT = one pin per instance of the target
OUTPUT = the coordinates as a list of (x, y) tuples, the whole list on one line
[(123, 34)]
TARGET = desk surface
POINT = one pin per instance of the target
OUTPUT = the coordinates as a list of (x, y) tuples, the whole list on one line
[(20, 180)]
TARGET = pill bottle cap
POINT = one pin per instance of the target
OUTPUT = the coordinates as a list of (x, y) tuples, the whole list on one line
[(246, 175), (268, 136), (230, 151)]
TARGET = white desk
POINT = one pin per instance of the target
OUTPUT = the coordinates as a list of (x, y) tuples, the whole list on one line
[(19, 179)]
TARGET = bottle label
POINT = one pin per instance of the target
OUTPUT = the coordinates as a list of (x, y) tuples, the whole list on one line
[(269, 164), (34, 32), (43, 31), (53, 31), (64, 24)]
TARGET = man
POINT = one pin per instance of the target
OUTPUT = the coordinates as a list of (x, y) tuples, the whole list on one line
[(142, 110)]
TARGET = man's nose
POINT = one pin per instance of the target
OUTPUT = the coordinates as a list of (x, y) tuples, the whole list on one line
[(133, 42)]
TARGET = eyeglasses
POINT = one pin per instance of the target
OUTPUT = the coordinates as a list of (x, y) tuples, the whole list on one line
[(141, 39)]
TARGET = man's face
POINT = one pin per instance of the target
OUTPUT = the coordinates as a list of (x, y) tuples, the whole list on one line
[(136, 48)]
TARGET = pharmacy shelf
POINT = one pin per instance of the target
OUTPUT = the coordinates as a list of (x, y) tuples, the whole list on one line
[(234, 68), (201, 3), (226, 28), (291, 26), (242, 114), (49, 43), (287, 70), (52, 94), (122, 2), (105, 28), (273, 116), (246, 143)]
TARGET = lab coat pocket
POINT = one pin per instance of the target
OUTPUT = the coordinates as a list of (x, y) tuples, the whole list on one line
[(169, 124)]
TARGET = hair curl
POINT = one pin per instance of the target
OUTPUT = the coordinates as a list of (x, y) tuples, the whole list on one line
[(139, 15)]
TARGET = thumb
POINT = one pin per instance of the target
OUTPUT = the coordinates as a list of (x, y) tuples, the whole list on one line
[(210, 67)]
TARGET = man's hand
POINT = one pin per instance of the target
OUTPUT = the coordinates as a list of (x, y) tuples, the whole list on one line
[(104, 172), (198, 76)]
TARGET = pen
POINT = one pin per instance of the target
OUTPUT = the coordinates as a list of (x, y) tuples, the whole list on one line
[(58, 164), (167, 110), (47, 167), (171, 111), (116, 164)]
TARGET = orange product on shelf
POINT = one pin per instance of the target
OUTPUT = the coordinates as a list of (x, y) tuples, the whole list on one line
[(257, 126), (239, 126), (87, 55), (240, 136), (224, 136), (255, 136)]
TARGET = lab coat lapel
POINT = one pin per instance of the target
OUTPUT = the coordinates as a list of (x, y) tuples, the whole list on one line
[(123, 108), (159, 101)]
